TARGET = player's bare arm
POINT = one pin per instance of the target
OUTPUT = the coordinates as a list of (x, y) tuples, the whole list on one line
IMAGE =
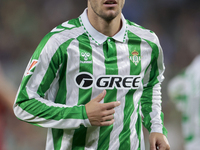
[(101, 114)]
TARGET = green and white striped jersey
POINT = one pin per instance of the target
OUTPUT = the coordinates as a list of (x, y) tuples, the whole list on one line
[(72, 65), (184, 90)]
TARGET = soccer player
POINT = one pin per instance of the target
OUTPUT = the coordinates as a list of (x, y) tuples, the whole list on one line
[(93, 81), (184, 90)]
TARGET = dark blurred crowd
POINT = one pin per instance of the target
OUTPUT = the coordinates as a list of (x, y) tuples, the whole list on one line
[(23, 23)]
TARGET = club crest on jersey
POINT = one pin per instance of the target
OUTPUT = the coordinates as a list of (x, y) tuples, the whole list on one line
[(30, 67), (135, 58)]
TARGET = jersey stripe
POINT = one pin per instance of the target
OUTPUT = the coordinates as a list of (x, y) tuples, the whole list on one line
[(84, 94), (57, 138), (146, 51), (129, 105), (61, 95), (110, 54), (122, 54), (98, 69), (134, 46), (72, 96)]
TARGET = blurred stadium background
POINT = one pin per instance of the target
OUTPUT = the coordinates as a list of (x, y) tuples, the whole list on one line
[(23, 23)]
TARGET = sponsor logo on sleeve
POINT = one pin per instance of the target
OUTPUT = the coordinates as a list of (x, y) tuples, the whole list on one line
[(30, 67)]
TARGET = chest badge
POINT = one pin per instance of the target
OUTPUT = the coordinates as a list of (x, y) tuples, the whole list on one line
[(135, 58), (85, 55), (85, 59)]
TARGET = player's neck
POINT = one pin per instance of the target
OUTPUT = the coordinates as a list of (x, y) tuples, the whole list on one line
[(108, 28)]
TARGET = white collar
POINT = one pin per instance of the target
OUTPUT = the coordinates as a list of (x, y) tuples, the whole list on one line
[(98, 37)]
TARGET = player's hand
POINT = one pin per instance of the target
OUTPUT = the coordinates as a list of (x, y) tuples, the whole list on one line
[(158, 141), (101, 114)]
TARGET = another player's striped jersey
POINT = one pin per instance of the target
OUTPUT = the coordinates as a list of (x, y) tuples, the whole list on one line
[(184, 90), (72, 65)]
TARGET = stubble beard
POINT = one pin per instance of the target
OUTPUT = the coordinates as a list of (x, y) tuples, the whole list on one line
[(103, 15), (108, 17)]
